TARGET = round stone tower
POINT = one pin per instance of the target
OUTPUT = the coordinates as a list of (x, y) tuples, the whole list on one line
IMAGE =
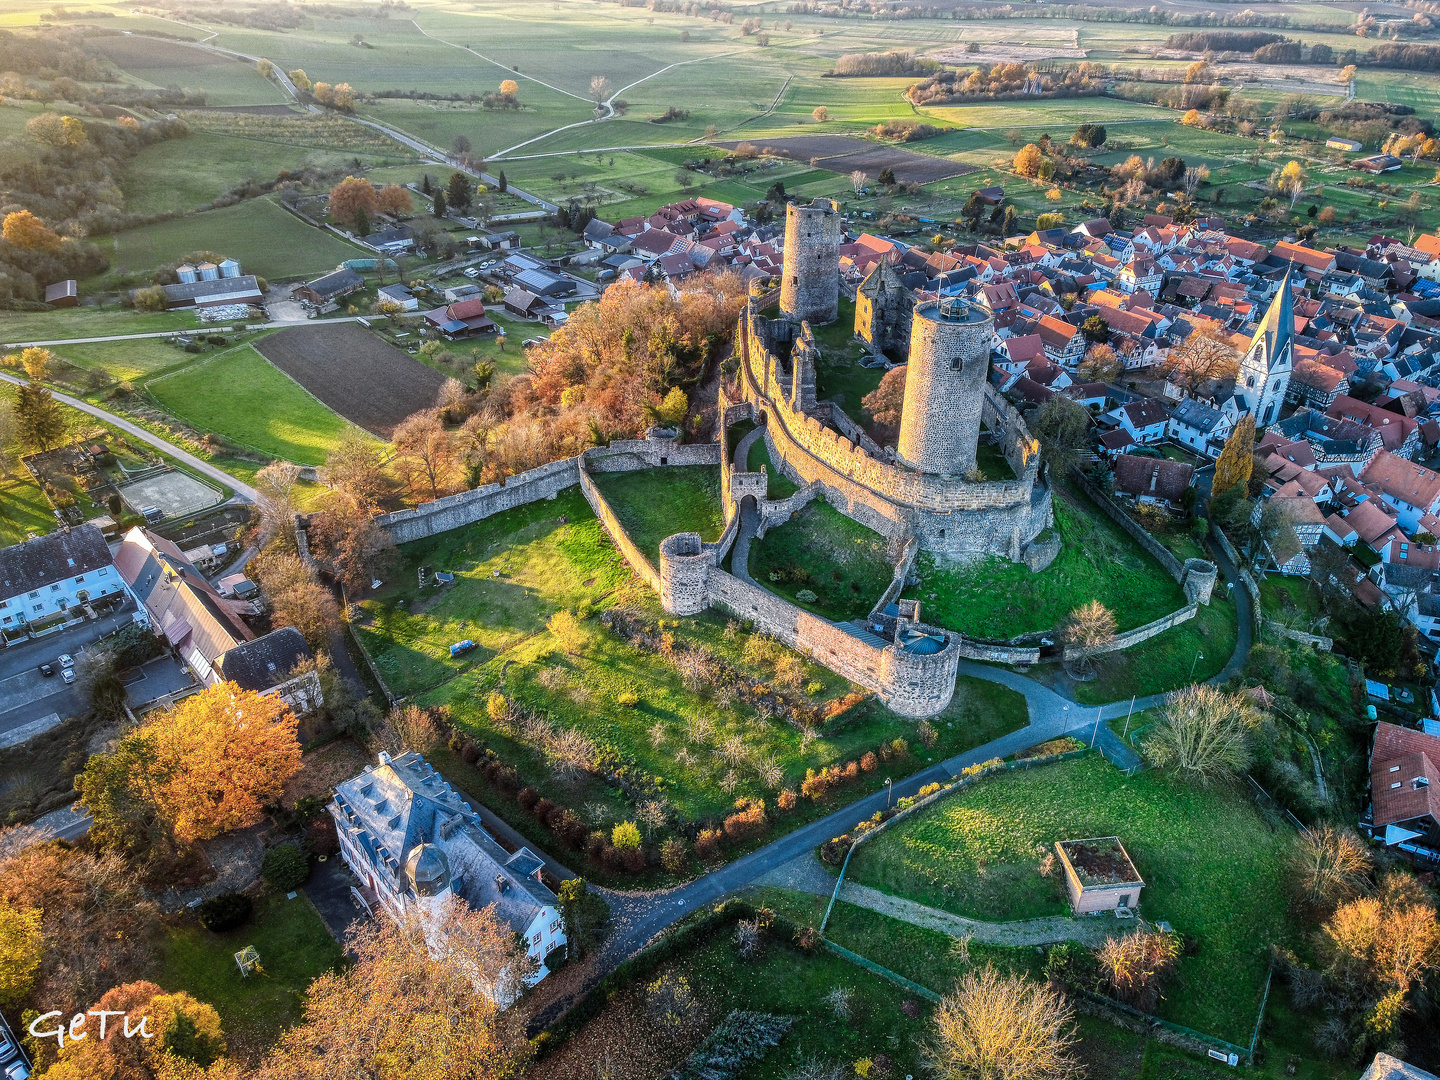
[(810, 287), (945, 387), (684, 567)]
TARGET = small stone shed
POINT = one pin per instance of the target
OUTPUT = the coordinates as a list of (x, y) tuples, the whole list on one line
[(1099, 875)]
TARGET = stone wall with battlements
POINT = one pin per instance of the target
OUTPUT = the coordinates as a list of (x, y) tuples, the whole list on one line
[(911, 684), (544, 482), (953, 517)]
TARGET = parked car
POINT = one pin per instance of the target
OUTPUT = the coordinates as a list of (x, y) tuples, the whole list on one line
[(68, 675), (529, 341), (47, 670), (17, 1070), (461, 647), (66, 660)]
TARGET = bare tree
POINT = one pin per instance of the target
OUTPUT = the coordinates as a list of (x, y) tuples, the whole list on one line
[(599, 88), (1332, 866), (425, 455), (1203, 356), (1002, 1027), (1090, 626), (275, 484), (1194, 176), (858, 180), (1203, 733)]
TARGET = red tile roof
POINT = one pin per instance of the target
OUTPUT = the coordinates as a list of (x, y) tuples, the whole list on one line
[(1401, 758)]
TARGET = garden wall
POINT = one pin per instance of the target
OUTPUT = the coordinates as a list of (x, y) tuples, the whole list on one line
[(1136, 636)]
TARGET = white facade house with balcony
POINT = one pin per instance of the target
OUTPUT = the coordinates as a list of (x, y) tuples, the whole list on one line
[(43, 578), (414, 842)]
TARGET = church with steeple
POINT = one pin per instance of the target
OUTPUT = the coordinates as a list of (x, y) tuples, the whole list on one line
[(1266, 366)]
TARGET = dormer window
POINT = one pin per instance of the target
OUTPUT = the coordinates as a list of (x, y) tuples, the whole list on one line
[(1420, 782)]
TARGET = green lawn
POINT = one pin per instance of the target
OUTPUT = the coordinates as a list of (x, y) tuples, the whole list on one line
[(777, 484), (513, 571), (544, 565), (655, 503), (243, 397), (23, 509), (294, 948), (89, 322), (1212, 866), (1191, 652), (125, 360), (995, 598), (265, 239), (821, 551), (1289, 599)]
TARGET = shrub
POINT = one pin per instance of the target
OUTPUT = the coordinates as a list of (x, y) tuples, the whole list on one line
[(869, 763), (527, 797), (285, 867), (469, 753), (707, 844), (542, 811), (225, 912), (787, 799), (900, 748), (927, 734), (632, 859), (629, 699), (320, 838), (748, 820), (626, 836), (595, 845), (673, 856)]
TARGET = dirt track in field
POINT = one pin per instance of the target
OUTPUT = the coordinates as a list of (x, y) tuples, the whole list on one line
[(372, 384), (844, 154)]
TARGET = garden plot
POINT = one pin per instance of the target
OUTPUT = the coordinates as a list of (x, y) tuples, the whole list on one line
[(843, 154)]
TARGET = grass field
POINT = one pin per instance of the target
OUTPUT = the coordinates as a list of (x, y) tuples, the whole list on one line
[(1213, 868), (243, 397), (1191, 652), (226, 81), (994, 598), (823, 552), (778, 485), (124, 360), (23, 509), (294, 948), (655, 503), (514, 570), (89, 322), (265, 239)]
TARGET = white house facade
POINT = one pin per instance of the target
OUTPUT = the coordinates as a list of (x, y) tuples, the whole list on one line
[(414, 842), (43, 578)]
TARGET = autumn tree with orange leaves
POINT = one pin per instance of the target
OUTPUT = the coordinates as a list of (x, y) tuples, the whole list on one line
[(208, 765), (350, 196), (436, 1011), (25, 230), (394, 199)]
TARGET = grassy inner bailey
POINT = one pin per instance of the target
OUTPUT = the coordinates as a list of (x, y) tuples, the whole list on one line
[(1212, 867), (655, 503), (994, 598), (823, 552), (1190, 652)]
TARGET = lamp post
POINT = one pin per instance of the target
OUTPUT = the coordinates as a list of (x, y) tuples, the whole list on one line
[(1128, 715), (889, 790), (1096, 729), (1198, 657)]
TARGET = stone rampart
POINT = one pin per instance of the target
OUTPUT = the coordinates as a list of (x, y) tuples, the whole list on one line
[(457, 511), (901, 574), (952, 516), (632, 554), (544, 482), (1324, 644), (1134, 637), (778, 511), (911, 684)]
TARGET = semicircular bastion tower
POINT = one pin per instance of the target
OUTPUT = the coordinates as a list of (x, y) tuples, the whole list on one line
[(945, 387)]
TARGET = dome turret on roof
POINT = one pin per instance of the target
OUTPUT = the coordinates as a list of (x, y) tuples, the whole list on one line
[(428, 869)]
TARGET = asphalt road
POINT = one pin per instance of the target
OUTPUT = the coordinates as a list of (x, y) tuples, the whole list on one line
[(26, 695)]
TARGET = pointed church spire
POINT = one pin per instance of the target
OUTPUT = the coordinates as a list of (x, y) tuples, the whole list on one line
[(1277, 331)]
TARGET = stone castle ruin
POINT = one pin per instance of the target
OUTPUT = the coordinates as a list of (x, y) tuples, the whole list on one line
[(924, 494), (927, 486)]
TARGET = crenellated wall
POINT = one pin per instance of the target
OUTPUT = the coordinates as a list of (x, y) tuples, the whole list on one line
[(950, 516), (544, 482)]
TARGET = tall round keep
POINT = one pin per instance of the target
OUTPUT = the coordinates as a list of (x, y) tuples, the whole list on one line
[(945, 387), (810, 285)]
